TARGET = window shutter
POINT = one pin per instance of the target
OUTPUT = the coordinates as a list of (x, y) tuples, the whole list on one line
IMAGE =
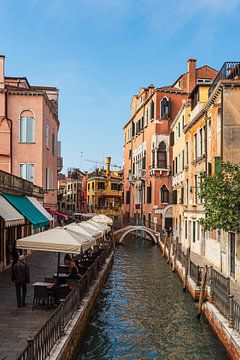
[(30, 172), (149, 194), (23, 129), (172, 138), (174, 197), (173, 168), (217, 163), (23, 171)]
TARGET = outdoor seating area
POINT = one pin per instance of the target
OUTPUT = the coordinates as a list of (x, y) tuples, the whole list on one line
[(49, 292), (83, 245)]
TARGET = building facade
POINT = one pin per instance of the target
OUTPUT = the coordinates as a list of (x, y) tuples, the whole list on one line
[(104, 191), (211, 136), (29, 133), (147, 150)]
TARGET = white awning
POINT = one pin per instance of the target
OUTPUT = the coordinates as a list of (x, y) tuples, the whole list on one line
[(9, 214), (103, 219), (92, 230), (75, 227), (40, 207), (56, 240), (99, 226)]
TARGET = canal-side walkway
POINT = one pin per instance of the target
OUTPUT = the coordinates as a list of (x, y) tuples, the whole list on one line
[(18, 324)]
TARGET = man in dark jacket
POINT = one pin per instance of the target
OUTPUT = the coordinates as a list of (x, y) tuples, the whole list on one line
[(21, 277)]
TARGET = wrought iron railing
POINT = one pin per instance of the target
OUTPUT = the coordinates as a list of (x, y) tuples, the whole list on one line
[(40, 345), (220, 299), (236, 316), (230, 70), (222, 281)]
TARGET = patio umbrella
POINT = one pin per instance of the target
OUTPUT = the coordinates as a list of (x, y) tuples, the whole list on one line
[(102, 219)]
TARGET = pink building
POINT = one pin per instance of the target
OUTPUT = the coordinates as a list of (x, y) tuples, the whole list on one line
[(29, 133)]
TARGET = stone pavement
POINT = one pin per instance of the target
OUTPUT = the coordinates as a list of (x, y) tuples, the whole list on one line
[(17, 324), (234, 287)]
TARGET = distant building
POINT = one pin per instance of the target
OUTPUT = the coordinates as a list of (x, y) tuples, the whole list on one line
[(72, 192), (29, 125), (104, 191)]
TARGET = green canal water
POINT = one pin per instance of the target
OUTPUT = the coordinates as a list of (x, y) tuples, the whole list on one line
[(143, 313)]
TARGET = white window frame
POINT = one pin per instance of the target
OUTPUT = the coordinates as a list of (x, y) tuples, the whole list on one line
[(26, 177), (23, 139)]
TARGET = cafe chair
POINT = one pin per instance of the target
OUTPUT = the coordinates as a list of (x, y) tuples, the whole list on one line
[(41, 297)]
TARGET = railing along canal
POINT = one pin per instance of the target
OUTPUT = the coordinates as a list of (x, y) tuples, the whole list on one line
[(40, 345)]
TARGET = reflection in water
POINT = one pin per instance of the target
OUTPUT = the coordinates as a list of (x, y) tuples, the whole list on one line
[(142, 313)]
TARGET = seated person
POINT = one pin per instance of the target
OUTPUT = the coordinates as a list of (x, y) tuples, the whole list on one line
[(72, 267)]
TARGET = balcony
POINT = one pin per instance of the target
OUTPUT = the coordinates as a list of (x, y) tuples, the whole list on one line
[(59, 164), (153, 170), (229, 71), (196, 110), (13, 184), (178, 179), (142, 173)]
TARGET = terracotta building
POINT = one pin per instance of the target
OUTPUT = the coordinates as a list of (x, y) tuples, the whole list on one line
[(29, 133), (147, 151), (212, 135)]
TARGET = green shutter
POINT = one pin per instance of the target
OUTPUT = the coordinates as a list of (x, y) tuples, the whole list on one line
[(217, 163)]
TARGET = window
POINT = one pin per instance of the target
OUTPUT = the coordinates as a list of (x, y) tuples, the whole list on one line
[(165, 108), (179, 130), (194, 231), (174, 197), (196, 188), (47, 135), (127, 197), (195, 146), (187, 189), (149, 194), (147, 117), (183, 122), (93, 185), (53, 144), (186, 153), (101, 186), (153, 158), (27, 129), (162, 156), (186, 232), (88, 186), (27, 171), (201, 141), (164, 194), (47, 179), (114, 186), (152, 110), (183, 160)]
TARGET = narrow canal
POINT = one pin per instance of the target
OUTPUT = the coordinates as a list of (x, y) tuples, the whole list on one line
[(142, 313)]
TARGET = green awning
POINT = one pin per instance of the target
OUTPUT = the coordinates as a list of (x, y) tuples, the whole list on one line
[(27, 209)]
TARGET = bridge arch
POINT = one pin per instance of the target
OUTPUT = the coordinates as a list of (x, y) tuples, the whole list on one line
[(139, 228)]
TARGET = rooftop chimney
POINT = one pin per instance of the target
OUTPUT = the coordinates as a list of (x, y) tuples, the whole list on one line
[(108, 162), (192, 74), (2, 72)]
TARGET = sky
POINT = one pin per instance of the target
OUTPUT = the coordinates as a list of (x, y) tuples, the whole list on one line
[(100, 52)]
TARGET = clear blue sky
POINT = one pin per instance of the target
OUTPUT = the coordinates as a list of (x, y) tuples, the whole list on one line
[(100, 52)]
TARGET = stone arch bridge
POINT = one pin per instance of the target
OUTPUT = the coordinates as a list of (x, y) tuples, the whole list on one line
[(120, 234)]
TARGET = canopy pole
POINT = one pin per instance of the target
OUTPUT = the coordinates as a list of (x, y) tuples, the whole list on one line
[(58, 266)]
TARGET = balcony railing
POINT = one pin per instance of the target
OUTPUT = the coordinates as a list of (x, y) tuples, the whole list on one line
[(230, 70), (12, 183)]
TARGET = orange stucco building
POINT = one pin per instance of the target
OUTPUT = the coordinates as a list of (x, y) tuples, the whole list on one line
[(147, 150), (29, 132)]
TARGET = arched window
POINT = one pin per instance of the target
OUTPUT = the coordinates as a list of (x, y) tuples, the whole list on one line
[(162, 156), (151, 110), (165, 108), (153, 157), (164, 194), (27, 127)]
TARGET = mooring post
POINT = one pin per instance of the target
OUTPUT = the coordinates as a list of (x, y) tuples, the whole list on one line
[(170, 248), (175, 254), (165, 244), (30, 353), (202, 291), (186, 269)]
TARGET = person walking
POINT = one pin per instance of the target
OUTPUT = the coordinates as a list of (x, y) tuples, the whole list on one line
[(21, 277)]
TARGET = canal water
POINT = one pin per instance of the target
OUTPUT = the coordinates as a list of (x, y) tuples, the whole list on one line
[(143, 313)]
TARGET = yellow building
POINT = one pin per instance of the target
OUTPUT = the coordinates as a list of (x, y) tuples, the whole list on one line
[(104, 191), (179, 158)]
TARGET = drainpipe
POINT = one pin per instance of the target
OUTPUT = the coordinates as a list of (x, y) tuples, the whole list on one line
[(9, 120)]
